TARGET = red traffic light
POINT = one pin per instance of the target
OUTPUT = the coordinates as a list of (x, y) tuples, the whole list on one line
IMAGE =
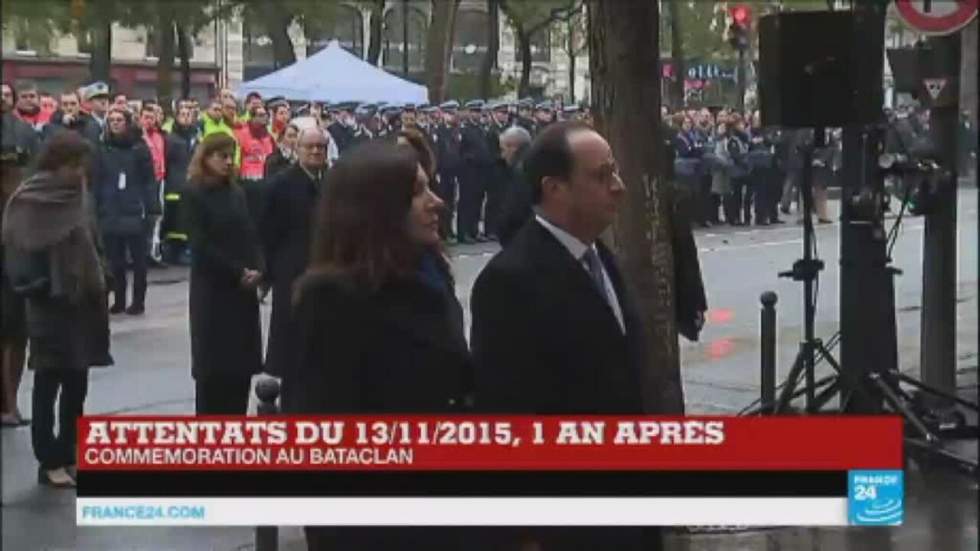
[(740, 15)]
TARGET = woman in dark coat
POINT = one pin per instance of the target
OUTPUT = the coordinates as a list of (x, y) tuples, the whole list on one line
[(125, 193), (226, 269), (52, 259), (380, 328)]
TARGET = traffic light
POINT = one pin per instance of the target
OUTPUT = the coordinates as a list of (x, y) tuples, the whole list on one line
[(740, 15), (738, 31)]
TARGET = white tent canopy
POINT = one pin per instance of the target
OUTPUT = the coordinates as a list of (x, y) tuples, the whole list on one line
[(335, 75)]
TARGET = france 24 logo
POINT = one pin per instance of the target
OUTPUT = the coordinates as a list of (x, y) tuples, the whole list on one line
[(875, 498)]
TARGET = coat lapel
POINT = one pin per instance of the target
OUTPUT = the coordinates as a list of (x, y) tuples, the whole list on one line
[(553, 258)]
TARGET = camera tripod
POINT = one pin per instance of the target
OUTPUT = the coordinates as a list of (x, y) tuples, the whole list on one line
[(927, 429)]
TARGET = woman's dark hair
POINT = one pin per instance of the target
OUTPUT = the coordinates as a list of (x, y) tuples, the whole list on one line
[(64, 148), (550, 155), (421, 146), (361, 228), (198, 172)]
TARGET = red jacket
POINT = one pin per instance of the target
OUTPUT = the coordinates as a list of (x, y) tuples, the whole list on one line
[(255, 149), (155, 142)]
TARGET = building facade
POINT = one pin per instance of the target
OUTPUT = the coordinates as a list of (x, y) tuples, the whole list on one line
[(62, 62), (230, 51)]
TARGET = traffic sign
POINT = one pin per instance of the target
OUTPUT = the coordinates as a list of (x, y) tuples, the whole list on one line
[(934, 86), (937, 17)]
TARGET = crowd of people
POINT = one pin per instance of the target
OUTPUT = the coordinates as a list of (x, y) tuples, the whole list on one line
[(737, 172)]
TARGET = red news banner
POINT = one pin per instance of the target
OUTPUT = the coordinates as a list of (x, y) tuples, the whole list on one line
[(490, 443)]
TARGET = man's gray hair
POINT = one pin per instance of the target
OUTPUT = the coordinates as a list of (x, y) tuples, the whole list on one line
[(517, 133), (305, 130)]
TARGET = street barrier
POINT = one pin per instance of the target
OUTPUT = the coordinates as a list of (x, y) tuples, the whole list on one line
[(768, 359)]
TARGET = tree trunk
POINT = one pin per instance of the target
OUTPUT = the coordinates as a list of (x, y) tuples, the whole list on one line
[(165, 64), (184, 52), (493, 46), (524, 43), (677, 55), (623, 58), (282, 45), (438, 47), (377, 22), (100, 64)]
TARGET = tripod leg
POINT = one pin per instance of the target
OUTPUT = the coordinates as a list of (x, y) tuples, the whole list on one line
[(895, 402), (925, 388), (826, 395), (786, 396)]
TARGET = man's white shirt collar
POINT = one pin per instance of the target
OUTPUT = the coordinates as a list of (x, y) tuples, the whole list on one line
[(569, 241)]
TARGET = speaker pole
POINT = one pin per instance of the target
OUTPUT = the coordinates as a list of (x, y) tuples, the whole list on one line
[(740, 73), (867, 299)]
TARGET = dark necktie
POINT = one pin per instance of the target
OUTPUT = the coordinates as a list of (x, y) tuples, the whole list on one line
[(594, 266)]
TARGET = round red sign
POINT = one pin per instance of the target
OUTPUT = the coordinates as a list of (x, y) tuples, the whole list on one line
[(937, 16)]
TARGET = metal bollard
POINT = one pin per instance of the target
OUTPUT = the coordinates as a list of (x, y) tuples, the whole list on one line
[(267, 391), (768, 360)]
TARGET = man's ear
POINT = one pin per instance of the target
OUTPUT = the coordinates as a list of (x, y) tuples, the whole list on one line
[(549, 185)]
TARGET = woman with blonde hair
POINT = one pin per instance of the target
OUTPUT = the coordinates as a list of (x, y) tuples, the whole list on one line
[(226, 269)]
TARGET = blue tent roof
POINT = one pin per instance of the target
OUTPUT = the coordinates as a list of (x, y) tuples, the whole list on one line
[(335, 75)]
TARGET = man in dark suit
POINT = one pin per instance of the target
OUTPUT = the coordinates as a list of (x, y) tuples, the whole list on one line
[(514, 143), (286, 242), (555, 329)]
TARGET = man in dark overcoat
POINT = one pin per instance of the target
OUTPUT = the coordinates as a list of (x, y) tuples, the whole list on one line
[(286, 231), (555, 329)]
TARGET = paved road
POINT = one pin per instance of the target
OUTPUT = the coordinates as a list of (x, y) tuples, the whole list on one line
[(720, 375)]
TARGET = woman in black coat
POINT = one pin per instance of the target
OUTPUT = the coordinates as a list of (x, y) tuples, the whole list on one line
[(380, 328), (226, 269), (125, 193), (52, 259)]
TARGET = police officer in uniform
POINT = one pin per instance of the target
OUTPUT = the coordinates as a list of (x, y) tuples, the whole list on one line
[(343, 125), (388, 128), (544, 114), (448, 141), (368, 122), (525, 116), (499, 119), (476, 162)]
